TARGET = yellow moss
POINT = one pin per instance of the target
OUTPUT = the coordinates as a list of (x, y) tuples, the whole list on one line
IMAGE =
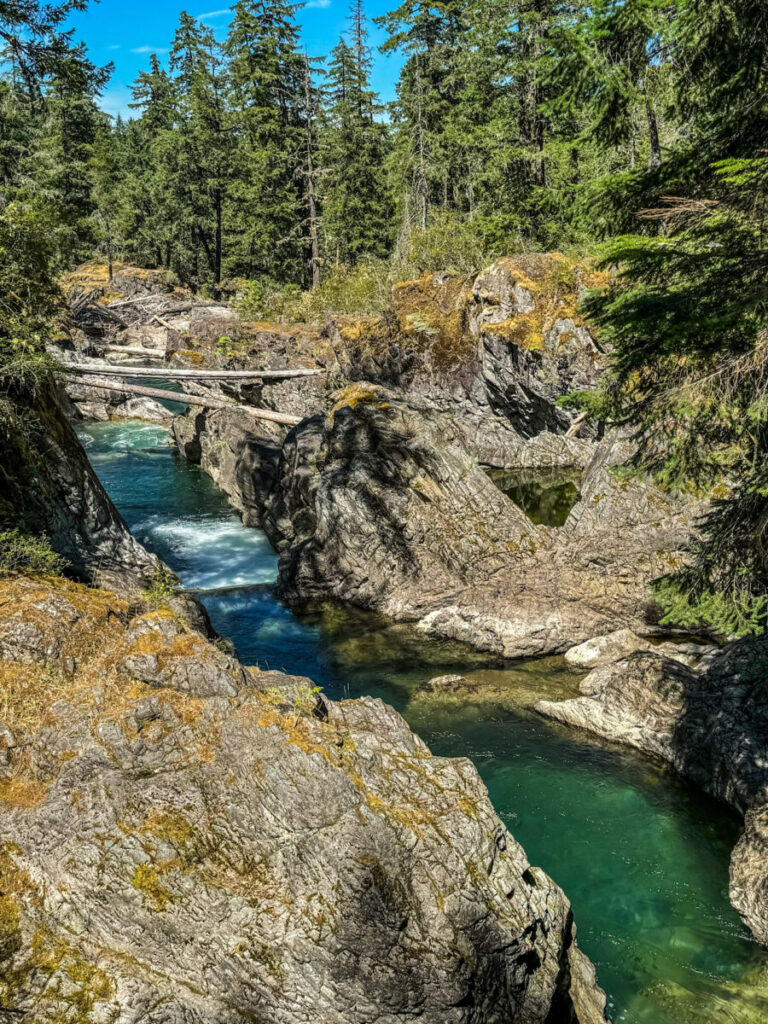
[(170, 825), (146, 880), (432, 314), (22, 792), (523, 331), (10, 931), (353, 395), (188, 355)]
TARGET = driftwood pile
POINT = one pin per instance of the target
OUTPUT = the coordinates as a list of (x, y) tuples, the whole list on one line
[(94, 318)]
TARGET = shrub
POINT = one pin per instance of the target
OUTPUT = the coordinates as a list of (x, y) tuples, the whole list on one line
[(162, 586), (23, 553), (450, 242)]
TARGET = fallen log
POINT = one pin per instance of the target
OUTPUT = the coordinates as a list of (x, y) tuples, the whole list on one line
[(185, 399), (172, 374), (135, 350), (110, 314)]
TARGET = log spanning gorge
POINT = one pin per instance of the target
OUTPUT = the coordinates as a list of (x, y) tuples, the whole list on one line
[(642, 855)]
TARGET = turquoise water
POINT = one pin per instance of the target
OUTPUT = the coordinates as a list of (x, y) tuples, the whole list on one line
[(642, 856)]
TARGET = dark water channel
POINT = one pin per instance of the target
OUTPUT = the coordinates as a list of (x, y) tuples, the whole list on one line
[(642, 856)]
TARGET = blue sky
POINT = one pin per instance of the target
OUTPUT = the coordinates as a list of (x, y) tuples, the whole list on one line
[(125, 33)]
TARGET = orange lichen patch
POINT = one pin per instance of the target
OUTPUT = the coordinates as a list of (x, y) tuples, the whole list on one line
[(353, 395)]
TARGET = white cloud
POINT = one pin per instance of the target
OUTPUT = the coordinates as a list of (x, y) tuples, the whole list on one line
[(150, 49), (115, 46), (318, 3), (214, 14)]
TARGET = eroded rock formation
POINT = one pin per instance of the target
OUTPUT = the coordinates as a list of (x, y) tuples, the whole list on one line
[(710, 723), (383, 506), (186, 840)]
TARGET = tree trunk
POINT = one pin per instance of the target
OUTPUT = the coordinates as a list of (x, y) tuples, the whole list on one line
[(314, 235), (654, 157), (217, 257), (110, 267)]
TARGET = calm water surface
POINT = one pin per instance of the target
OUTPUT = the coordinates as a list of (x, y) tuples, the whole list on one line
[(642, 856)]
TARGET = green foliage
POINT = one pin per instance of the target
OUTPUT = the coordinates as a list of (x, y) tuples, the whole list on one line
[(449, 242), (688, 318), (162, 586), (365, 288), (22, 553)]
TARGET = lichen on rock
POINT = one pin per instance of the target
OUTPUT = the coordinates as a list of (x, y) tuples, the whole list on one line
[(263, 854)]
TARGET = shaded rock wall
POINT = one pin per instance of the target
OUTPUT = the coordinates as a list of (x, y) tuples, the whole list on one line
[(710, 722), (48, 486), (383, 506), (192, 841)]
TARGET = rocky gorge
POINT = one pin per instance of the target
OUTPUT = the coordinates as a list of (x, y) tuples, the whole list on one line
[(380, 498), (184, 838)]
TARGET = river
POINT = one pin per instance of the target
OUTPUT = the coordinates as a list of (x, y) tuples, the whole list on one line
[(642, 856)]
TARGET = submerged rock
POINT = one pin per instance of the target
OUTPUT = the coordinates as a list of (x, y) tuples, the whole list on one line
[(382, 506), (711, 724), (252, 852)]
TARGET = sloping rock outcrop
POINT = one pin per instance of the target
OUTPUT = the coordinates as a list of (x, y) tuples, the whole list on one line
[(491, 352), (244, 850), (382, 506), (710, 723), (48, 486)]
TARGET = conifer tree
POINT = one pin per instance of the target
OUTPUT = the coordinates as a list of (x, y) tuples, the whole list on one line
[(106, 175), (266, 76), (356, 206), (198, 152), (150, 213)]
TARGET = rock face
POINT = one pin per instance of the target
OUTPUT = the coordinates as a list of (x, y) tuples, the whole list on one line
[(197, 842), (382, 506), (711, 724), (491, 353), (47, 486), (240, 454)]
